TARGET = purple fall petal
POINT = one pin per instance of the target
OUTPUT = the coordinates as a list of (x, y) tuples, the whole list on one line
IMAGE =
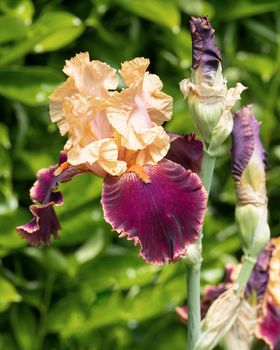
[(164, 216), (40, 228), (245, 140), (206, 54), (268, 328), (44, 189), (259, 277), (45, 192), (186, 151)]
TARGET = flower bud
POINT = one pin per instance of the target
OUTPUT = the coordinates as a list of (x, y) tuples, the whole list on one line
[(209, 100), (248, 169)]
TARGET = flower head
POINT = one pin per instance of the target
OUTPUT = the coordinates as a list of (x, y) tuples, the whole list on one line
[(209, 100), (151, 192)]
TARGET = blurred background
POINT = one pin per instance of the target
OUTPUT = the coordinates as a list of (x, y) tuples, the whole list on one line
[(90, 290)]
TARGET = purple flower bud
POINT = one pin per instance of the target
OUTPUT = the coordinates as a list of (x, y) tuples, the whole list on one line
[(248, 170), (210, 101), (206, 55)]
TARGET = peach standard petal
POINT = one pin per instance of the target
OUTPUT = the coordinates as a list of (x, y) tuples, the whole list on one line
[(89, 78), (134, 70), (100, 156), (137, 112), (93, 78)]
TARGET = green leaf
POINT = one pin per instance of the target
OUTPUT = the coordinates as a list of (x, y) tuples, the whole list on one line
[(24, 327), (4, 136), (264, 66), (118, 272), (11, 28), (63, 28), (30, 85), (239, 9), (165, 12), (9, 239), (197, 8), (22, 9), (50, 32), (8, 294)]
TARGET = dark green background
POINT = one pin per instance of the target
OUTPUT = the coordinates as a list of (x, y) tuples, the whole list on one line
[(90, 290)]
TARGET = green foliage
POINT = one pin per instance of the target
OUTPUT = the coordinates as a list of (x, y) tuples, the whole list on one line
[(90, 290)]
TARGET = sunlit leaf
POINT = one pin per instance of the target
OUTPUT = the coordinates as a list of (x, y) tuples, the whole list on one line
[(162, 12), (23, 9), (30, 85), (8, 294)]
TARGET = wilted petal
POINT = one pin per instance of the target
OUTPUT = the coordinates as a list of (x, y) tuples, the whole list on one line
[(259, 278), (164, 216), (268, 328), (219, 319), (241, 335), (182, 312), (42, 226), (186, 151), (274, 272), (211, 293)]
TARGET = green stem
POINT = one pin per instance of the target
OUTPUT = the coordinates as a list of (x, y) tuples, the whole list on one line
[(244, 274), (193, 271)]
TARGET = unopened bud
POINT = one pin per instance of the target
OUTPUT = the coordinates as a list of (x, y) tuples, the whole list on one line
[(248, 169), (209, 100)]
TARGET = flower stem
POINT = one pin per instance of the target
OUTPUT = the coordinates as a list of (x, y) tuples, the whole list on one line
[(193, 271), (244, 274)]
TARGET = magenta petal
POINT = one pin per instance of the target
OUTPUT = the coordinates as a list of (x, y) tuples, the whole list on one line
[(164, 216), (186, 151), (44, 189), (45, 192), (40, 228), (245, 139), (268, 329)]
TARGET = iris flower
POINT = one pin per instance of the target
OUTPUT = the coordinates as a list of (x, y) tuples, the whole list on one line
[(151, 191)]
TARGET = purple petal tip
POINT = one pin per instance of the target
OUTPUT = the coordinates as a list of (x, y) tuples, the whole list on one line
[(40, 228), (245, 140), (205, 51)]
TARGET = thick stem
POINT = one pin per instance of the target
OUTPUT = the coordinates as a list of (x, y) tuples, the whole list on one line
[(193, 271), (245, 273)]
